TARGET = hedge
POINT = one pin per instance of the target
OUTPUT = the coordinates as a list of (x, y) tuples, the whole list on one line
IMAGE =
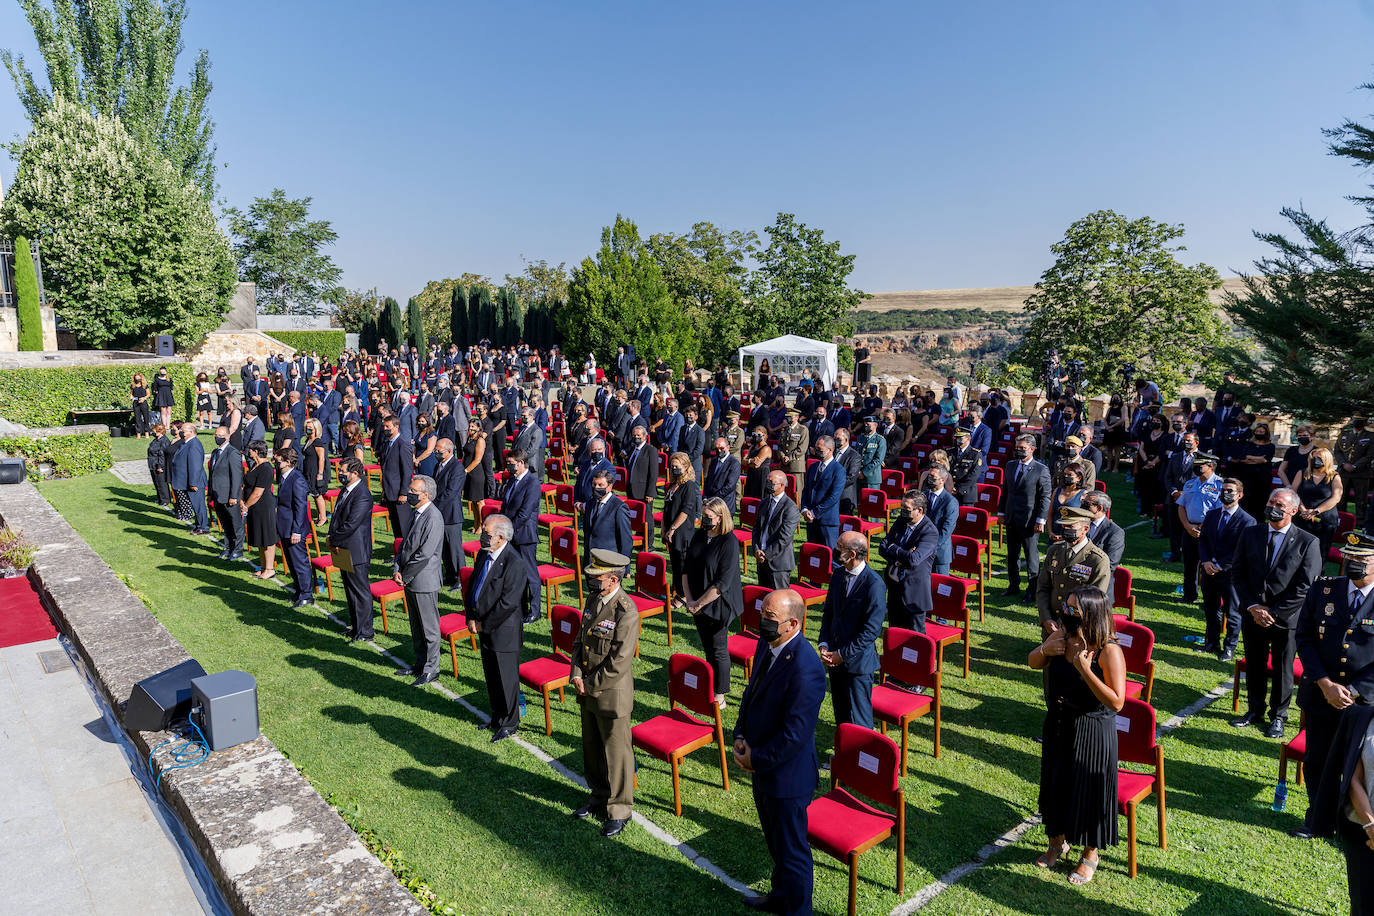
[(30, 313), (46, 397), (70, 456), (327, 343)]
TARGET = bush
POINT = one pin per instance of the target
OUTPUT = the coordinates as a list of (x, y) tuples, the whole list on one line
[(26, 288), (46, 397), (328, 344), (70, 456)]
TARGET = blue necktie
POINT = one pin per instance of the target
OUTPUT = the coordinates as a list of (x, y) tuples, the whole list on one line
[(481, 578)]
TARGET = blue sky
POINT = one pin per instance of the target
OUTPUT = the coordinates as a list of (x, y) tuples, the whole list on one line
[(946, 145)]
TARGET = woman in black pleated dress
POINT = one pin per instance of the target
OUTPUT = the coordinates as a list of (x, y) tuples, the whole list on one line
[(681, 509), (1085, 683)]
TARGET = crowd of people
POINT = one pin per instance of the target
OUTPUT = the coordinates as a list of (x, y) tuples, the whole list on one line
[(654, 461)]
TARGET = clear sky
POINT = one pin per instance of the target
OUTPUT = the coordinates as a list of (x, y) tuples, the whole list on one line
[(945, 144)]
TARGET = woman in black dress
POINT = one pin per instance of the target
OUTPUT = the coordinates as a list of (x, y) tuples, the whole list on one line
[(1113, 434), (1321, 493), (276, 397), (285, 436), (159, 456), (712, 593), (1254, 468), (224, 389), (355, 442), (138, 399), (162, 396), (315, 469), (477, 464), (203, 405), (1085, 684), (1148, 460), (681, 509), (260, 509), (765, 374), (758, 457), (1295, 459)]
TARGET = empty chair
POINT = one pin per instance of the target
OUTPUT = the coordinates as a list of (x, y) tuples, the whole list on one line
[(1136, 743), (652, 594), (908, 657), (949, 600), (676, 734), (1137, 643), (745, 643), (551, 672)]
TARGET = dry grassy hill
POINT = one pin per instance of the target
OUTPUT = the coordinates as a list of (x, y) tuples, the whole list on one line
[(988, 298)]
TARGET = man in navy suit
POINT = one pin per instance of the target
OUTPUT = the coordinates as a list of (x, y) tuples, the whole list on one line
[(350, 528), (328, 415), (641, 470), (943, 509), (909, 550), (398, 467), (188, 474), (691, 441), (775, 739), (596, 461), (606, 520), (819, 428), (1221, 531), (820, 497), (723, 480), (296, 404), (1025, 506), (449, 478), (293, 525), (980, 434), (855, 605), (520, 504), (497, 599), (671, 428)]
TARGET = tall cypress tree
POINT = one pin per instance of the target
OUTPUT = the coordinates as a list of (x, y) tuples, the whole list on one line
[(416, 325), (389, 324), (26, 290), (458, 316), (367, 334), (486, 315)]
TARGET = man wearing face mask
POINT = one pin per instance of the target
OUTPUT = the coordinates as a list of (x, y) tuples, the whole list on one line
[(774, 532), (850, 460), (188, 475), (350, 531), (1199, 496), (1025, 506), (943, 511), (641, 472), (966, 467), (226, 488), (1070, 564), (1353, 453), (596, 461), (734, 435), (873, 452), (1221, 533), (520, 503), (1335, 640), (293, 525), (606, 520), (497, 599), (1178, 470), (852, 618), (1274, 566), (418, 567), (909, 549), (820, 497), (792, 443), (722, 481), (692, 440), (818, 427)]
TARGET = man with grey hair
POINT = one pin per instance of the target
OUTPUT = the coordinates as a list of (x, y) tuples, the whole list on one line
[(449, 478), (820, 497), (497, 599), (418, 567)]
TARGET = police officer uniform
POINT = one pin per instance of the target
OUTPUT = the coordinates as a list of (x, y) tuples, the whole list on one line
[(1198, 497), (966, 468), (793, 442), (872, 452), (1069, 566), (1335, 639), (603, 657), (734, 435), (1353, 447)]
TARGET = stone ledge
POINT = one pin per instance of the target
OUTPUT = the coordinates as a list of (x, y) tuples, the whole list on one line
[(273, 844)]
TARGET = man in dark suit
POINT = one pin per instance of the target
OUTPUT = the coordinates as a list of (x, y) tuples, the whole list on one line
[(248, 376), (1221, 532), (775, 740), (398, 467), (293, 525), (350, 529), (909, 549), (1025, 506), (966, 467), (1105, 533), (188, 474), (447, 425), (260, 399), (942, 508), (820, 497), (855, 605), (226, 489), (328, 415), (606, 520), (530, 440), (852, 462), (296, 405), (995, 417), (253, 428), (641, 469), (520, 504), (774, 531), (1178, 470), (722, 481), (818, 428), (671, 427), (497, 600), (448, 481), (595, 461), (692, 441), (418, 567), (839, 416), (1273, 567)]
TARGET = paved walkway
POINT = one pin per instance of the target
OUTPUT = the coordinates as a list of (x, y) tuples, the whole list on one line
[(77, 835)]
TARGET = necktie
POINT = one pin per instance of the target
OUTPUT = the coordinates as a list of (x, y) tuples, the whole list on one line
[(1269, 551), (852, 577), (481, 577), (762, 526), (764, 664), (1016, 477)]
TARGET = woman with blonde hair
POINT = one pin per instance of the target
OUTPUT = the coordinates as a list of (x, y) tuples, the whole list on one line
[(138, 398), (712, 593), (315, 468), (1321, 492), (681, 509)]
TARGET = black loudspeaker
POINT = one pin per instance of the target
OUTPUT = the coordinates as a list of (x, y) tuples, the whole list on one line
[(12, 470), (160, 700), (165, 345)]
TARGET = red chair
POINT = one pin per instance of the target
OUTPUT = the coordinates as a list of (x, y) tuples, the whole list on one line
[(873, 507), (1137, 643), (966, 561), (813, 575), (894, 484), (454, 627), (993, 477), (843, 825), (564, 568), (1269, 664), (949, 597), (673, 736), (790, 488), (621, 484), (989, 498), (639, 523), (388, 590), (325, 564), (485, 509), (565, 509), (552, 672), (1294, 750), (854, 523), (745, 643), (1347, 525), (976, 523), (1122, 596), (652, 594), (1135, 743), (745, 536), (1100, 486), (748, 513), (909, 657)]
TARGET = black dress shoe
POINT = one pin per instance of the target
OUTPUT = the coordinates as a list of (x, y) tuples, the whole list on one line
[(1211, 647), (407, 672), (531, 617), (222, 555), (356, 638), (236, 555), (1275, 729), (304, 602), (1301, 833), (1227, 655), (1245, 720), (589, 809), (614, 826), (762, 904), (1027, 598), (501, 734), (1006, 593), (424, 679)]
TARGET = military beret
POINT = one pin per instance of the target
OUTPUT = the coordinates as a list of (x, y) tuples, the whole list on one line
[(1357, 544), (606, 562), (962, 432), (1206, 458), (1074, 514), (1074, 440), (731, 413), (793, 411)]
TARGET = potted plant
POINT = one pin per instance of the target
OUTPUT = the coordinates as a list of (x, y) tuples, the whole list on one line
[(16, 553)]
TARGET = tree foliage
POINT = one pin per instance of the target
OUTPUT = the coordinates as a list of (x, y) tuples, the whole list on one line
[(281, 249), (801, 284), (415, 327), (620, 297), (706, 272), (510, 317), (458, 316), (1310, 308), (117, 58), (540, 281), (29, 310), (541, 329), (1117, 295), (389, 324), (130, 247), (357, 306), (481, 314), (436, 302)]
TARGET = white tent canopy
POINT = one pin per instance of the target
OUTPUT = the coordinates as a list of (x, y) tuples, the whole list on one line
[(789, 355)]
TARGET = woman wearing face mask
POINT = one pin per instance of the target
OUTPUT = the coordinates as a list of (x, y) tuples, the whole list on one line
[(1085, 685), (711, 588), (162, 395), (1252, 463), (1067, 493), (758, 455), (681, 509), (260, 509), (1320, 491), (1149, 454), (426, 448), (1113, 434), (1295, 459), (949, 408), (477, 484)]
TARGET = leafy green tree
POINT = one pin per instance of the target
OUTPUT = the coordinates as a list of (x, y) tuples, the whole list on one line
[(389, 324), (280, 249), (1117, 295), (801, 284), (356, 306), (117, 58), (26, 292), (1309, 308), (417, 338), (436, 302), (482, 314), (509, 317), (130, 247), (540, 330), (620, 297), (458, 316), (540, 281), (706, 272)]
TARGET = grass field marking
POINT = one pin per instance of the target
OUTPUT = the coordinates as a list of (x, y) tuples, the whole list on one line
[(654, 830), (1143, 521)]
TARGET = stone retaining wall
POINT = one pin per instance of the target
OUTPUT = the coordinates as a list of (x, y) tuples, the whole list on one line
[(273, 844)]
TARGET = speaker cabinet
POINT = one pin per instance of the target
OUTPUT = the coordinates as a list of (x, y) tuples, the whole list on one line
[(225, 706), (12, 470), (160, 700)]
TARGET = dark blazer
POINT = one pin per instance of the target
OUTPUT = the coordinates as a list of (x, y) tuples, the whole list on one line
[(994, 418), (398, 467), (448, 480), (607, 526), (944, 513), (821, 492), (852, 462), (722, 481), (643, 473), (505, 598), (531, 442), (188, 466), (715, 561), (1176, 474), (253, 430), (850, 624), (350, 525), (226, 474), (520, 504), (1218, 546), (158, 450), (692, 441), (582, 487), (1283, 586), (910, 554), (1112, 539), (293, 507), (778, 715), (967, 470), (777, 531), (298, 419), (1028, 499)]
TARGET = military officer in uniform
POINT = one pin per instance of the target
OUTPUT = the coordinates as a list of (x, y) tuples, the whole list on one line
[(1353, 454), (603, 676), (966, 468), (793, 442), (1069, 564), (733, 434), (1335, 637), (872, 454)]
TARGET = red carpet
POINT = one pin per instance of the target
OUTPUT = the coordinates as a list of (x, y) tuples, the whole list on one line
[(22, 617)]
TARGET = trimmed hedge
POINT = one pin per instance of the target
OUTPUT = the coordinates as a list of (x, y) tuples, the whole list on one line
[(70, 456), (46, 397), (327, 343)]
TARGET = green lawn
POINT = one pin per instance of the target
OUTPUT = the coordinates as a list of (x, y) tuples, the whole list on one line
[(488, 827)]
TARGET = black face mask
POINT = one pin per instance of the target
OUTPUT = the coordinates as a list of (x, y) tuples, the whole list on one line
[(1228, 498), (1197, 469), (1022, 455), (1318, 464), (768, 629), (1356, 569), (600, 492), (1273, 513), (485, 540), (220, 440), (1304, 440), (1358, 422)]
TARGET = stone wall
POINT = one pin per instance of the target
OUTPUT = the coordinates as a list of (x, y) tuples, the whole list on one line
[(9, 329), (243, 309), (271, 842)]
